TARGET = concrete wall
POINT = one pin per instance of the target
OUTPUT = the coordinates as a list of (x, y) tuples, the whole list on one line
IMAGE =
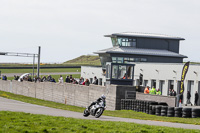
[(171, 101), (71, 94)]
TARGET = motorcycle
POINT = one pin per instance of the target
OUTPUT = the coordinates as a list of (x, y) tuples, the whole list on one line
[(95, 110)]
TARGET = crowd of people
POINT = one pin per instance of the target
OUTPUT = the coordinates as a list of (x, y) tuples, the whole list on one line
[(49, 78), (152, 91)]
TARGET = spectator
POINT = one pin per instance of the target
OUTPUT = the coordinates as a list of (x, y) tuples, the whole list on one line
[(71, 79), (43, 79), (87, 83), (75, 82), (16, 77), (196, 97), (95, 80), (60, 80), (67, 80), (188, 97), (173, 92), (53, 80), (146, 91), (158, 92), (81, 80), (49, 78), (152, 91), (170, 92)]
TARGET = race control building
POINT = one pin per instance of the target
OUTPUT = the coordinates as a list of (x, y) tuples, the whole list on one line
[(156, 57)]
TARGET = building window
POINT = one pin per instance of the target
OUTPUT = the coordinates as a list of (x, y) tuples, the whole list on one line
[(129, 72), (114, 41), (122, 72), (114, 71), (128, 42), (127, 59)]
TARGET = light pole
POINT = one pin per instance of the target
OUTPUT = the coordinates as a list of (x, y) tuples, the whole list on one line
[(26, 55)]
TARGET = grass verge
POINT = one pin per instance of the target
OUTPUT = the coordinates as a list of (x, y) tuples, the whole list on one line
[(41, 70), (117, 113), (26, 122)]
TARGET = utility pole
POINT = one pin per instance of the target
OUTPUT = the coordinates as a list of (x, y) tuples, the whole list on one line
[(38, 65)]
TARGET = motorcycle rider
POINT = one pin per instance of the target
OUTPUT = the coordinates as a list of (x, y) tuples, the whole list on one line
[(102, 98)]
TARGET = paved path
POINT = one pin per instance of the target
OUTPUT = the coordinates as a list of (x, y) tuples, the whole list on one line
[(13, 105), (52, 73)]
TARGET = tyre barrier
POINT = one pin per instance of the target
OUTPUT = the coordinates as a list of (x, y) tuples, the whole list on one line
[(178, 112), (164, 111), (170, 112), (159, 108), (186, 112), (195, 113)]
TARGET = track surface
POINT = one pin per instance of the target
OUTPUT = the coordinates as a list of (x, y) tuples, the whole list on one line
[(18, 106)]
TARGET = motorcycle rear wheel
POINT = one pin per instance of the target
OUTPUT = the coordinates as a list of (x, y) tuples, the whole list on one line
[(99, 112), (86, 113)]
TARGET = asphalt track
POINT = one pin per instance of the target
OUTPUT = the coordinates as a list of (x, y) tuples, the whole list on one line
[(18, 106)]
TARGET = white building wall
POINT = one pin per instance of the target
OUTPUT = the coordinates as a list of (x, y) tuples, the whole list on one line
[(88, 72), (166, 72), (158, 72)]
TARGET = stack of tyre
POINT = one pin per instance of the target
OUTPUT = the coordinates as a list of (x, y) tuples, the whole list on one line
[(164, 111), (170, 112), (159, 108), (178, 112), (195, 113), (186, 112)]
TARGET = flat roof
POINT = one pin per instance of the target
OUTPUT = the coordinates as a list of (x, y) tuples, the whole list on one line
[(144, 35), (139, 51)]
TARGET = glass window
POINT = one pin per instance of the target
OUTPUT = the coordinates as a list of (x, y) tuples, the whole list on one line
[(114, 71), (143, 59), (114, 41), (131, 59), (108, 71), (120, 60), (129, 72), (127, 42), (122, 72)]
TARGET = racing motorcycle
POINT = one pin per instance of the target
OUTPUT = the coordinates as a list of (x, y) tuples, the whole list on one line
[(95, 110)]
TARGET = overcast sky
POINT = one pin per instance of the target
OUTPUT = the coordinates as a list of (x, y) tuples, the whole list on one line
[(66, 29)]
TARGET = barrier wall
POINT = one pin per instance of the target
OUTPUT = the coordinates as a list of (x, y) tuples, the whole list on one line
[(170, 100), (78, 95), (71, 94)]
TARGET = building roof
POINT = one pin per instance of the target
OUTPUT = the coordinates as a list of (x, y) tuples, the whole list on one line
[(139, 51), (144, 35)]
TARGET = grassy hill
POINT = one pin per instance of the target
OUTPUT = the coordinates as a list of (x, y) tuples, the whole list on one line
[(85, 60)]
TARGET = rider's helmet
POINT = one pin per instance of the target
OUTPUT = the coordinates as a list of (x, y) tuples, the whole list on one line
[(103, 96)]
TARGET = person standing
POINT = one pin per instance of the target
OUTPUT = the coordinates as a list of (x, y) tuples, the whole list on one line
[(196, 97), (188, 97), (146, 91), (152, 91), (60, 79), (173, 92), (95, 80), (158, 92)]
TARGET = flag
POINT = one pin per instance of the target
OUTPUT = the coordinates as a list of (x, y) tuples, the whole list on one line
[(184, 72)]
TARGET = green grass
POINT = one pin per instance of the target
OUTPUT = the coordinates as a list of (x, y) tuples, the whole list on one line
[(85, 60), (41, 70), (117, 113), (14, 122)]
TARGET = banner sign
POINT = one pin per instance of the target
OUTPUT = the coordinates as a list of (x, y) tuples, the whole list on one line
[(184, 72)]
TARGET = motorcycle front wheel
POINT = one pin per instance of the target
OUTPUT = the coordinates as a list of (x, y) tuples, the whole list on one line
[(99, 112), (86, 113)]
